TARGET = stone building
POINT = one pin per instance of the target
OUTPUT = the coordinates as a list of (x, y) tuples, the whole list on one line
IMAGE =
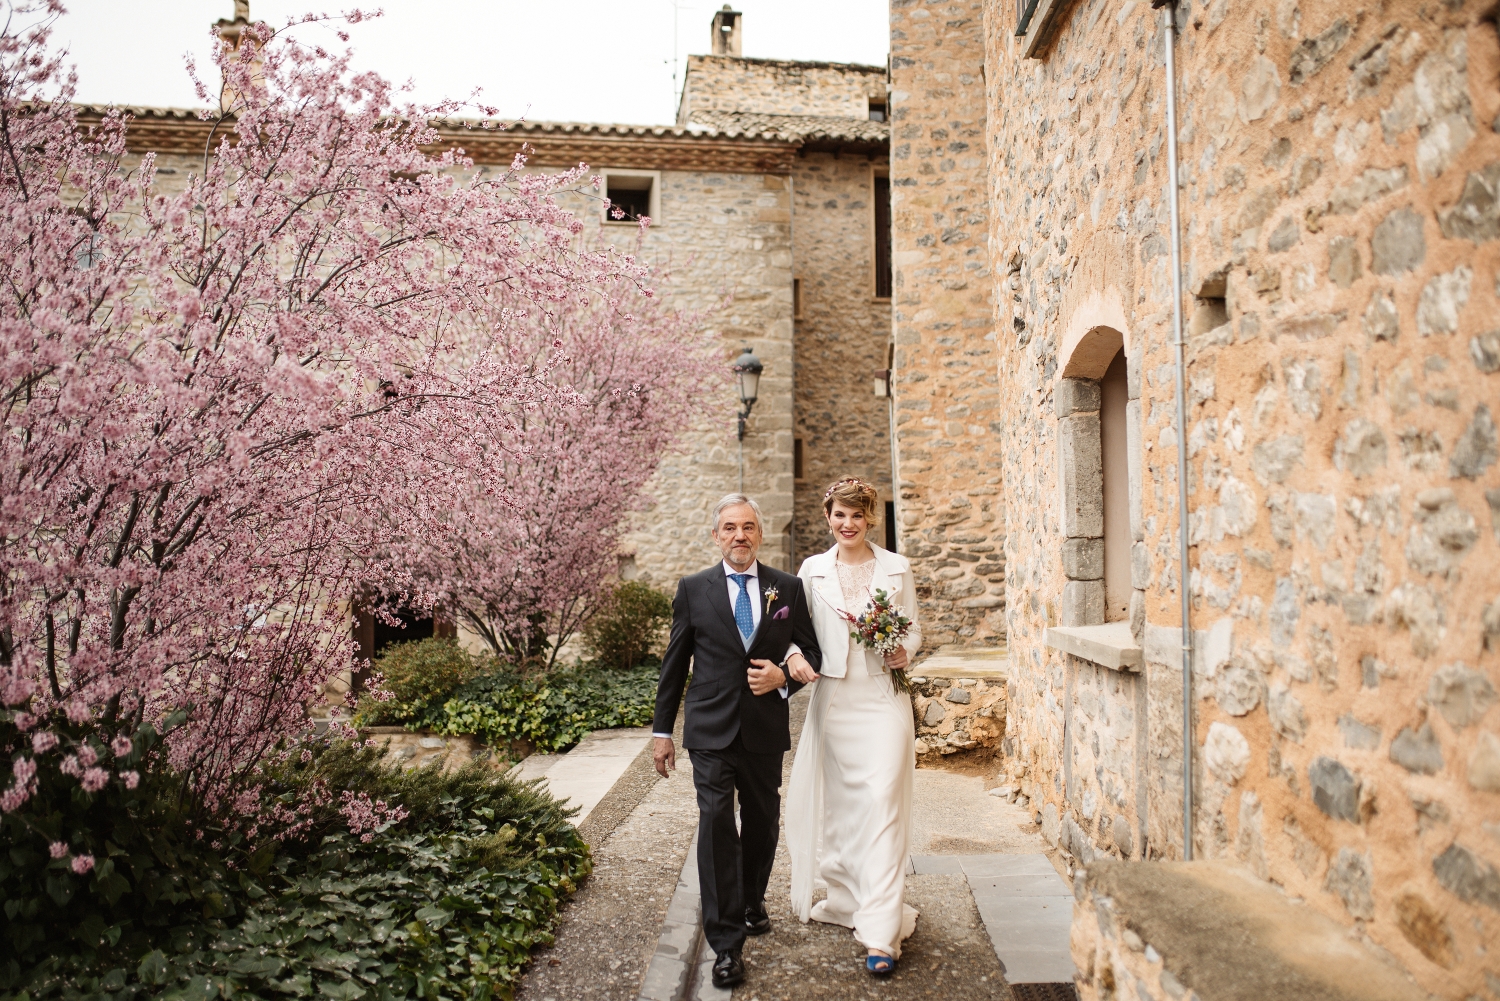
[(767, 199), (1338, 173)]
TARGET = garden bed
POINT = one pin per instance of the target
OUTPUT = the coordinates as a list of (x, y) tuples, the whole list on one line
[(437, 687), (439, 887)]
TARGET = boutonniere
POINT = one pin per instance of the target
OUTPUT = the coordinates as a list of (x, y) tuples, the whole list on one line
[(771, 594)]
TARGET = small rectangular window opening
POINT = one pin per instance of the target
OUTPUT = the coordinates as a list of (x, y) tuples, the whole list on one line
[(796, 298), (877, 109), (882, 237), (890, 526), (797, 459), (628, 195)]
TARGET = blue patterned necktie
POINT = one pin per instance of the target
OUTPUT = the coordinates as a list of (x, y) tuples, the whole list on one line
[(743, 616)]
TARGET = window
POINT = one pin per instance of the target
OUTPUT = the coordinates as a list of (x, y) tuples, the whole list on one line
[(890, 526), (633, 193), (1025, 10), (882, 237), (797, 472), (796, 298), (1114, 452), (877, 109)]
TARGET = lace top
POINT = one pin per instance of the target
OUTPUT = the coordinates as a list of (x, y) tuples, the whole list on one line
[(854, 581)]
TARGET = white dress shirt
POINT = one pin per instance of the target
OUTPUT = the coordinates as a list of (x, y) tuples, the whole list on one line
[(752, 587)]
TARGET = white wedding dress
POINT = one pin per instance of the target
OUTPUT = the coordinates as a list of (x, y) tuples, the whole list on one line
[(849, 802)]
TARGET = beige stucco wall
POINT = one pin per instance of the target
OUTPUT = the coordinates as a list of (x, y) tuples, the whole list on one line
[(1339, 165), (951, 509), (842, 339)]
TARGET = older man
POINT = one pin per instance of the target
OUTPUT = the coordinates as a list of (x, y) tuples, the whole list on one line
[(745, 630)]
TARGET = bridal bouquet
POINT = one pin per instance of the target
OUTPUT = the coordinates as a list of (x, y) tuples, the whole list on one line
[(882, 627)]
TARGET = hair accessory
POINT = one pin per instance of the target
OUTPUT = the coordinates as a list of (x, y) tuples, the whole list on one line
[(851, 479)]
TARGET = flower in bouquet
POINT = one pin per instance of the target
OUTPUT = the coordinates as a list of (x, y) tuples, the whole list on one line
[(882, 627)]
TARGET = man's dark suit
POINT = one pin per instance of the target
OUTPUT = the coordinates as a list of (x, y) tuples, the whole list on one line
[(736, 738)]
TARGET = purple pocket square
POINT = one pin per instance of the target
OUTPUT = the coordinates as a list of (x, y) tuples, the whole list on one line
[(782, 612)]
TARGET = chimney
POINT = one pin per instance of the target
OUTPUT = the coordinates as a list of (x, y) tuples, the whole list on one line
[(232, 36), (230, 31), (726, 30)]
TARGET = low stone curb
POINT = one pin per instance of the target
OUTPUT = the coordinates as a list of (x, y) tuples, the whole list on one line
[(670, 975)]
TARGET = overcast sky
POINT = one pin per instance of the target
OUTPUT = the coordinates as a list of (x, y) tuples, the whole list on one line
[(560, 60)]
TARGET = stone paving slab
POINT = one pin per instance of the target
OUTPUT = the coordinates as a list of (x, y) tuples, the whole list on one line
[(1028, 912), (585, 775)]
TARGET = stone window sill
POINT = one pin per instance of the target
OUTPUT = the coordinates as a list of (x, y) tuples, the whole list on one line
[(1109, 645)]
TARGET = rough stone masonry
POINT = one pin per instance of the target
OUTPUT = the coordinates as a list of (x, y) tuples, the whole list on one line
[(1340, 174)]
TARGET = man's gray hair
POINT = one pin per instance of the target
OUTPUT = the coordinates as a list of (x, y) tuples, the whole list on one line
[(730, 500)]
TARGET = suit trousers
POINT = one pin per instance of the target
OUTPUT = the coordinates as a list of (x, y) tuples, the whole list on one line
[(734, 866)]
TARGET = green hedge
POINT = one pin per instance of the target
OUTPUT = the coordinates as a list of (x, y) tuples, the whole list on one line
[(553, 711), (447, 903)]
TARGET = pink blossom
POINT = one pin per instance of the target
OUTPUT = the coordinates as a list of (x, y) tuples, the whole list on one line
[(43, 741), (24, 721), (87, 754), (208, 423), (59, 849), (365, 817), (83, 863), (24, 769), (13, 798), (94, 779), (131, 779), (121, 746)]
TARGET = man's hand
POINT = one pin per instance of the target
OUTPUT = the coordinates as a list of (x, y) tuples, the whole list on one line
[(765, 677), (801, 669), (897, 659), (665, 755)]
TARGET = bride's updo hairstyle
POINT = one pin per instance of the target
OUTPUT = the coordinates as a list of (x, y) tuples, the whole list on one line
[(856, 493)]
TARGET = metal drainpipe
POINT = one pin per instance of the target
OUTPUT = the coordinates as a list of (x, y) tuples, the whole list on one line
[(1179, 344)]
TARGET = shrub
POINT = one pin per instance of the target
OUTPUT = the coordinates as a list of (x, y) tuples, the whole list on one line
[(553, 711), (92, 879), (629, 625), (419, 674), (446, 902)]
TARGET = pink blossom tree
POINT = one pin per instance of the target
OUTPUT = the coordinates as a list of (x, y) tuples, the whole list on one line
[(208, 395), (522, 570)]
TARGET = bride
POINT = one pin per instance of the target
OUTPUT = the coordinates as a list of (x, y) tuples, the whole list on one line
[(849, 805)]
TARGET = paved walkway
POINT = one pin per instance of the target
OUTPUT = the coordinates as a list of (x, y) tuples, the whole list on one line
[(610, 928), (989, 896)]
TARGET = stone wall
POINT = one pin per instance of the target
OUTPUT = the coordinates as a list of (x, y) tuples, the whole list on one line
[(1339, 164), (773, 86), (955, 714), (1207, 931), (948, 458), (842, 340), (726, 240)]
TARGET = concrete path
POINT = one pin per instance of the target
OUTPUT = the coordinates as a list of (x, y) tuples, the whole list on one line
[(584, 775), (611, 928), (991, 902)]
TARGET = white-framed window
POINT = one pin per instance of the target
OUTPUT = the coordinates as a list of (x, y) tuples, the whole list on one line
[(635, 193)]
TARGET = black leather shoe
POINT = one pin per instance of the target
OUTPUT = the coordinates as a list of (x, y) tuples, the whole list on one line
[(729, 969), (757, 922)]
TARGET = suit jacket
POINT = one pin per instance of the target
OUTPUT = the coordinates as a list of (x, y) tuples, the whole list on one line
[(719, 702)]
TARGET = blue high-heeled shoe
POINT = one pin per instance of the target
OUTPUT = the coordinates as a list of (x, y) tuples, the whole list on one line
[(880, 966)]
